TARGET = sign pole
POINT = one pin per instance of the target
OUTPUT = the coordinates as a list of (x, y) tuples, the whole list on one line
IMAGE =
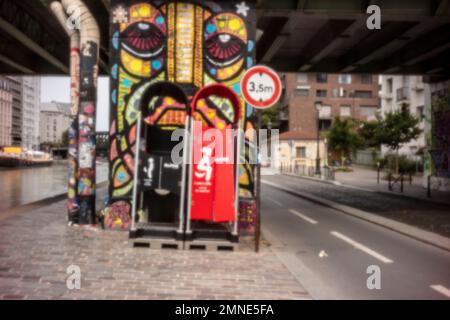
[(258, 184), (261, 88), (136, 172)]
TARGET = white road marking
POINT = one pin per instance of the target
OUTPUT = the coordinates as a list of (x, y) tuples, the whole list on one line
[(361, 247), (441, 289), (300, 215), (275, 201)]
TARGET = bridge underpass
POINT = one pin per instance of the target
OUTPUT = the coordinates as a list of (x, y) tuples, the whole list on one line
[(293, 36)]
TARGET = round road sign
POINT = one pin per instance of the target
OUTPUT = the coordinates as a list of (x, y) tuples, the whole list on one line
[(261, 87)]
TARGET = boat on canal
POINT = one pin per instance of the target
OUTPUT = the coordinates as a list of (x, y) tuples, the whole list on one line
[(16, 157)]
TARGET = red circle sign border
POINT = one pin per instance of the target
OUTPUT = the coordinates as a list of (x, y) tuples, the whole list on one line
[(272, 74)]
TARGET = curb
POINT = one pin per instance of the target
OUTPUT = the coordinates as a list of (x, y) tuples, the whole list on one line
[(344, 185), (8, 213), (400, 227)]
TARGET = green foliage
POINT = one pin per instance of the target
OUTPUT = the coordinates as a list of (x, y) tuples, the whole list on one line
[(380, 161), (271, 117), (405, 164), (65, 139), (343, 137), (394, 130), (369, 134), (397, 128)]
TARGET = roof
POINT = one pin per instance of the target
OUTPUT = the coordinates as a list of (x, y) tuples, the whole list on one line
[(56, 107), (298, 135)]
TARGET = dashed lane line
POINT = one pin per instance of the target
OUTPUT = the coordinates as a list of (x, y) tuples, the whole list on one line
[(361, 247), (302, 216), (441, 289)]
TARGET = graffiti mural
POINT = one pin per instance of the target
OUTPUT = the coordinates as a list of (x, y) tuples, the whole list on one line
[(440, 137), (72, 196), (191, 43)]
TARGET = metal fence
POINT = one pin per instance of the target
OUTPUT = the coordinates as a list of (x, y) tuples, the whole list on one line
[(366, 157), (327, 173)]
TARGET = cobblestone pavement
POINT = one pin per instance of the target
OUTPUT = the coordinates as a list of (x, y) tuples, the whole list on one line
[(37, 247), (430, 216)]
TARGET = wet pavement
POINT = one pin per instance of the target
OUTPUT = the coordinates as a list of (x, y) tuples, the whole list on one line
[(22, 186)]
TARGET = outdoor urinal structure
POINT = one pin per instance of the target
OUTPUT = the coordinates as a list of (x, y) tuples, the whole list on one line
[(213, 192), (159, 183)]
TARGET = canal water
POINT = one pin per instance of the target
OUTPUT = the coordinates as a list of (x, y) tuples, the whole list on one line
[(21, 186)]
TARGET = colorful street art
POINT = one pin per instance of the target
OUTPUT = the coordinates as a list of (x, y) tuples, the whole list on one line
[(440, 137), (191, 43), (72, 200), (86, 131), (437, 134), (72, 196)]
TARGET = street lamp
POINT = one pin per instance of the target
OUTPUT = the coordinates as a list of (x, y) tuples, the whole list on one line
[(318, 106)]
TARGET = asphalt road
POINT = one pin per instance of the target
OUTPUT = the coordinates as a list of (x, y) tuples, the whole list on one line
[(329, 252), (423, 214)]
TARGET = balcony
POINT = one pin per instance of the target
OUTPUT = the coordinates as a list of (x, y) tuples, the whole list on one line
[(402, 94), (386, 95), (419, 86)]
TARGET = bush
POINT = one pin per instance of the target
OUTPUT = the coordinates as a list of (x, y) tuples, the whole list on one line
[(405, 164), (382, 161), (343, 169)]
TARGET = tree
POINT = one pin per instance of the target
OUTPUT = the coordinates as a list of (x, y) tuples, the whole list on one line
[(343, 137), (271, 117), (369, 134), (65, 139), (397, 128)]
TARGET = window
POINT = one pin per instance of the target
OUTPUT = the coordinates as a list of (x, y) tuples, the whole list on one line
[(302, 78), (402, 94), (321, 77), (389, 85), (325, 112), (345, 111), (345, 78), (366, 78), (300, 152), (339, 92), (321, 93), (420, 113), (363, 94), (368, 111), (302, 92)]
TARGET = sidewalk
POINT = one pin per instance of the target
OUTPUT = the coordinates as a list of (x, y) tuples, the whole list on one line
[(366, 178), (37, 246)]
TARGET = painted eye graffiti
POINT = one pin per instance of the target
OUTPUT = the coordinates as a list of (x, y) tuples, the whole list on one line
[(143, 40), (222, 50)]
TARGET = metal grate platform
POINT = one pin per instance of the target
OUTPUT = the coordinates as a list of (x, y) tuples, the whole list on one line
[(211, 245), (156, 243)]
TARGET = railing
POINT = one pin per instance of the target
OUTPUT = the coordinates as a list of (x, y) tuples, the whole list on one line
[(402, 94), (327, 173)]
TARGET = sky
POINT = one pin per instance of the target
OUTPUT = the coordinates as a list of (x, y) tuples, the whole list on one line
[(58, 89)]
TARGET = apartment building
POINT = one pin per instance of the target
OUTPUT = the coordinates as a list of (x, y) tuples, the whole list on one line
[(16, 114), (53, 121), (5, 112), (336, 95), (31, 95), (410, 91)]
